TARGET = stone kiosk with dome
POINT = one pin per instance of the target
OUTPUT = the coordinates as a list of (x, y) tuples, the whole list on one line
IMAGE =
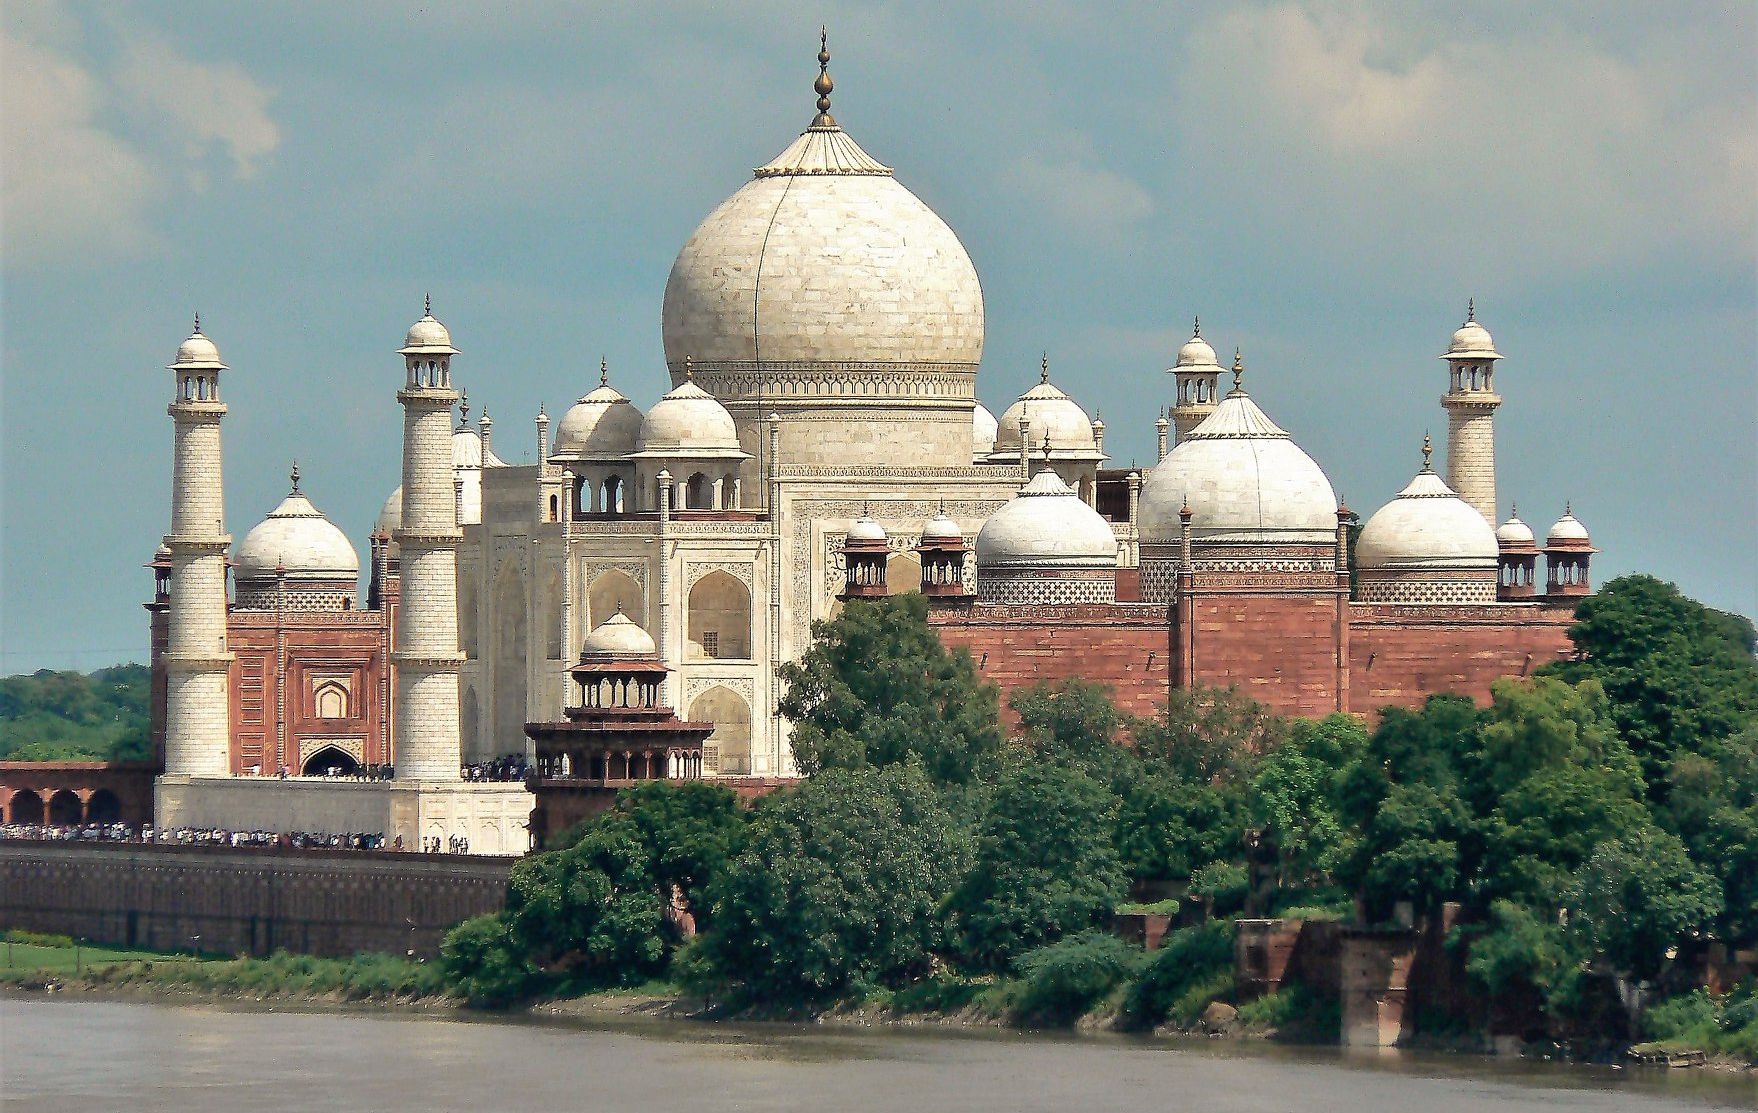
[(816, 436)]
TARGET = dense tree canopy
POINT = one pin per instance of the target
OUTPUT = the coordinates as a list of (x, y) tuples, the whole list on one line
[(838, 888), (878, 688), (1046, 864), (70, 716)]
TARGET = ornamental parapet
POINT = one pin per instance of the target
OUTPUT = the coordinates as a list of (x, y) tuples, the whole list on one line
[(210, 543), (752, 381), (1471, 400), (189, 662), (428, 397), (197, 411), (427, 539), (430, 662)]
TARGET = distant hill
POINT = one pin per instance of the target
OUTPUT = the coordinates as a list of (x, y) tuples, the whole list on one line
[(72, 716)]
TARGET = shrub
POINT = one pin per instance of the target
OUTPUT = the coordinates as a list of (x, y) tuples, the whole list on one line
[(1294, 1010), (1167, 907), (1191, 962), (485, 964), (1677, 1016), (1064, 980)]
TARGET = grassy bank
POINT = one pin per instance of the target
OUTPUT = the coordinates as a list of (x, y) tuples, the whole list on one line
[(58, 963)]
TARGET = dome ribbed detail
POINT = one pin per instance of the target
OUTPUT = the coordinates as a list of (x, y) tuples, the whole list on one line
[(822, 150)]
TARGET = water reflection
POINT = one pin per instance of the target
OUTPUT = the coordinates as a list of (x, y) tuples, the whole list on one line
[(62, 1055)]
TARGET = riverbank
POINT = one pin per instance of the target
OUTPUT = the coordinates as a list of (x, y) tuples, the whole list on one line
[(50, 966)]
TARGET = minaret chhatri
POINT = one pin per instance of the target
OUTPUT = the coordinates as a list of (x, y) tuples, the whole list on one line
[(1197, 377), (1471, 403), (427, 745), (197, 704)]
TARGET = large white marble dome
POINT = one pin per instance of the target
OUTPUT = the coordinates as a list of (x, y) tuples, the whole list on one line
[(1046, 526), (823, 258), (297, 538), (1245, 480), (1427, 527)]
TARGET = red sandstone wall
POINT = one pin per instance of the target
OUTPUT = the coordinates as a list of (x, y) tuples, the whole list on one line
[(345, 645), (246, 901), (114, 791), (1398, 656), (1123, 647), (1280, 650)]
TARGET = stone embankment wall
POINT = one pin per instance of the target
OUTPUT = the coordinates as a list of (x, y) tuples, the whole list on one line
[(245, 900)]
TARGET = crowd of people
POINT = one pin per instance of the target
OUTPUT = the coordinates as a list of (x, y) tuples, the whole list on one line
[(198, 836), (509, 767)]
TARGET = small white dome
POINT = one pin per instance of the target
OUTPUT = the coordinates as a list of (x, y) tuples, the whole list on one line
[(1514, 533), (1047, 409), (1427, 527), (688, 421), (1046, 525), (1472, 340), (1568, 531), (1196, 352), (866, 529), (601, 425), (428, 337), (295, 536), (198, 353), (942, 529), (390, 516), (1244, 478), (468, 451), (983, 430), (619, 637)]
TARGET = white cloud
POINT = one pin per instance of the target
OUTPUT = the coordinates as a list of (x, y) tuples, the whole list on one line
[(200, 104), (1080, 196), (1542, 152), (78, 185), (69, 185)]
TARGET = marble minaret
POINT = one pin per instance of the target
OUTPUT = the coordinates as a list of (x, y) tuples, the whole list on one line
[(1471, 403), (197, 719), (427, 746)]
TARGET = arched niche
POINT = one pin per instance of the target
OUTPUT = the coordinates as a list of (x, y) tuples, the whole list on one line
[(719, 618), (613, 589), (728, 750), (328, 760), (903, 573)]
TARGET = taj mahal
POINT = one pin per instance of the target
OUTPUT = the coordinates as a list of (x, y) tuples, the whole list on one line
[(822, 439)]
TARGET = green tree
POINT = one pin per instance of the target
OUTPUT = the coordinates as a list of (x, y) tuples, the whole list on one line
[(1045, 865), (1679, 675), (1638, 897), (1296, 796), (1712, 803), (70, 716), (485, 965), (1523, 953), (1166, 827), (591, 915), (1076, 724), (838, 888), (1209, 735), (878, 688), (1558, 781), (691, 830)]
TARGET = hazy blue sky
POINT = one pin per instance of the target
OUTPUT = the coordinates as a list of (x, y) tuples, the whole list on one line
[(1324, 184)]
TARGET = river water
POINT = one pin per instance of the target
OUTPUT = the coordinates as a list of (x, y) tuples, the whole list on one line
[(65, 1055)]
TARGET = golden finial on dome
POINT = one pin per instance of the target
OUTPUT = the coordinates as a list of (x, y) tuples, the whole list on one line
[(1238, 370), (689, 369), (427, 305), (198, 322), (603, 371), (1196, 328), (464, 410), (1044, 368), (1470, 310), (1427, 452), (294, 475), (823, 85)]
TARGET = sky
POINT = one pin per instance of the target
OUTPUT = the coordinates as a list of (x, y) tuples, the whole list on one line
[(1324, 184)]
